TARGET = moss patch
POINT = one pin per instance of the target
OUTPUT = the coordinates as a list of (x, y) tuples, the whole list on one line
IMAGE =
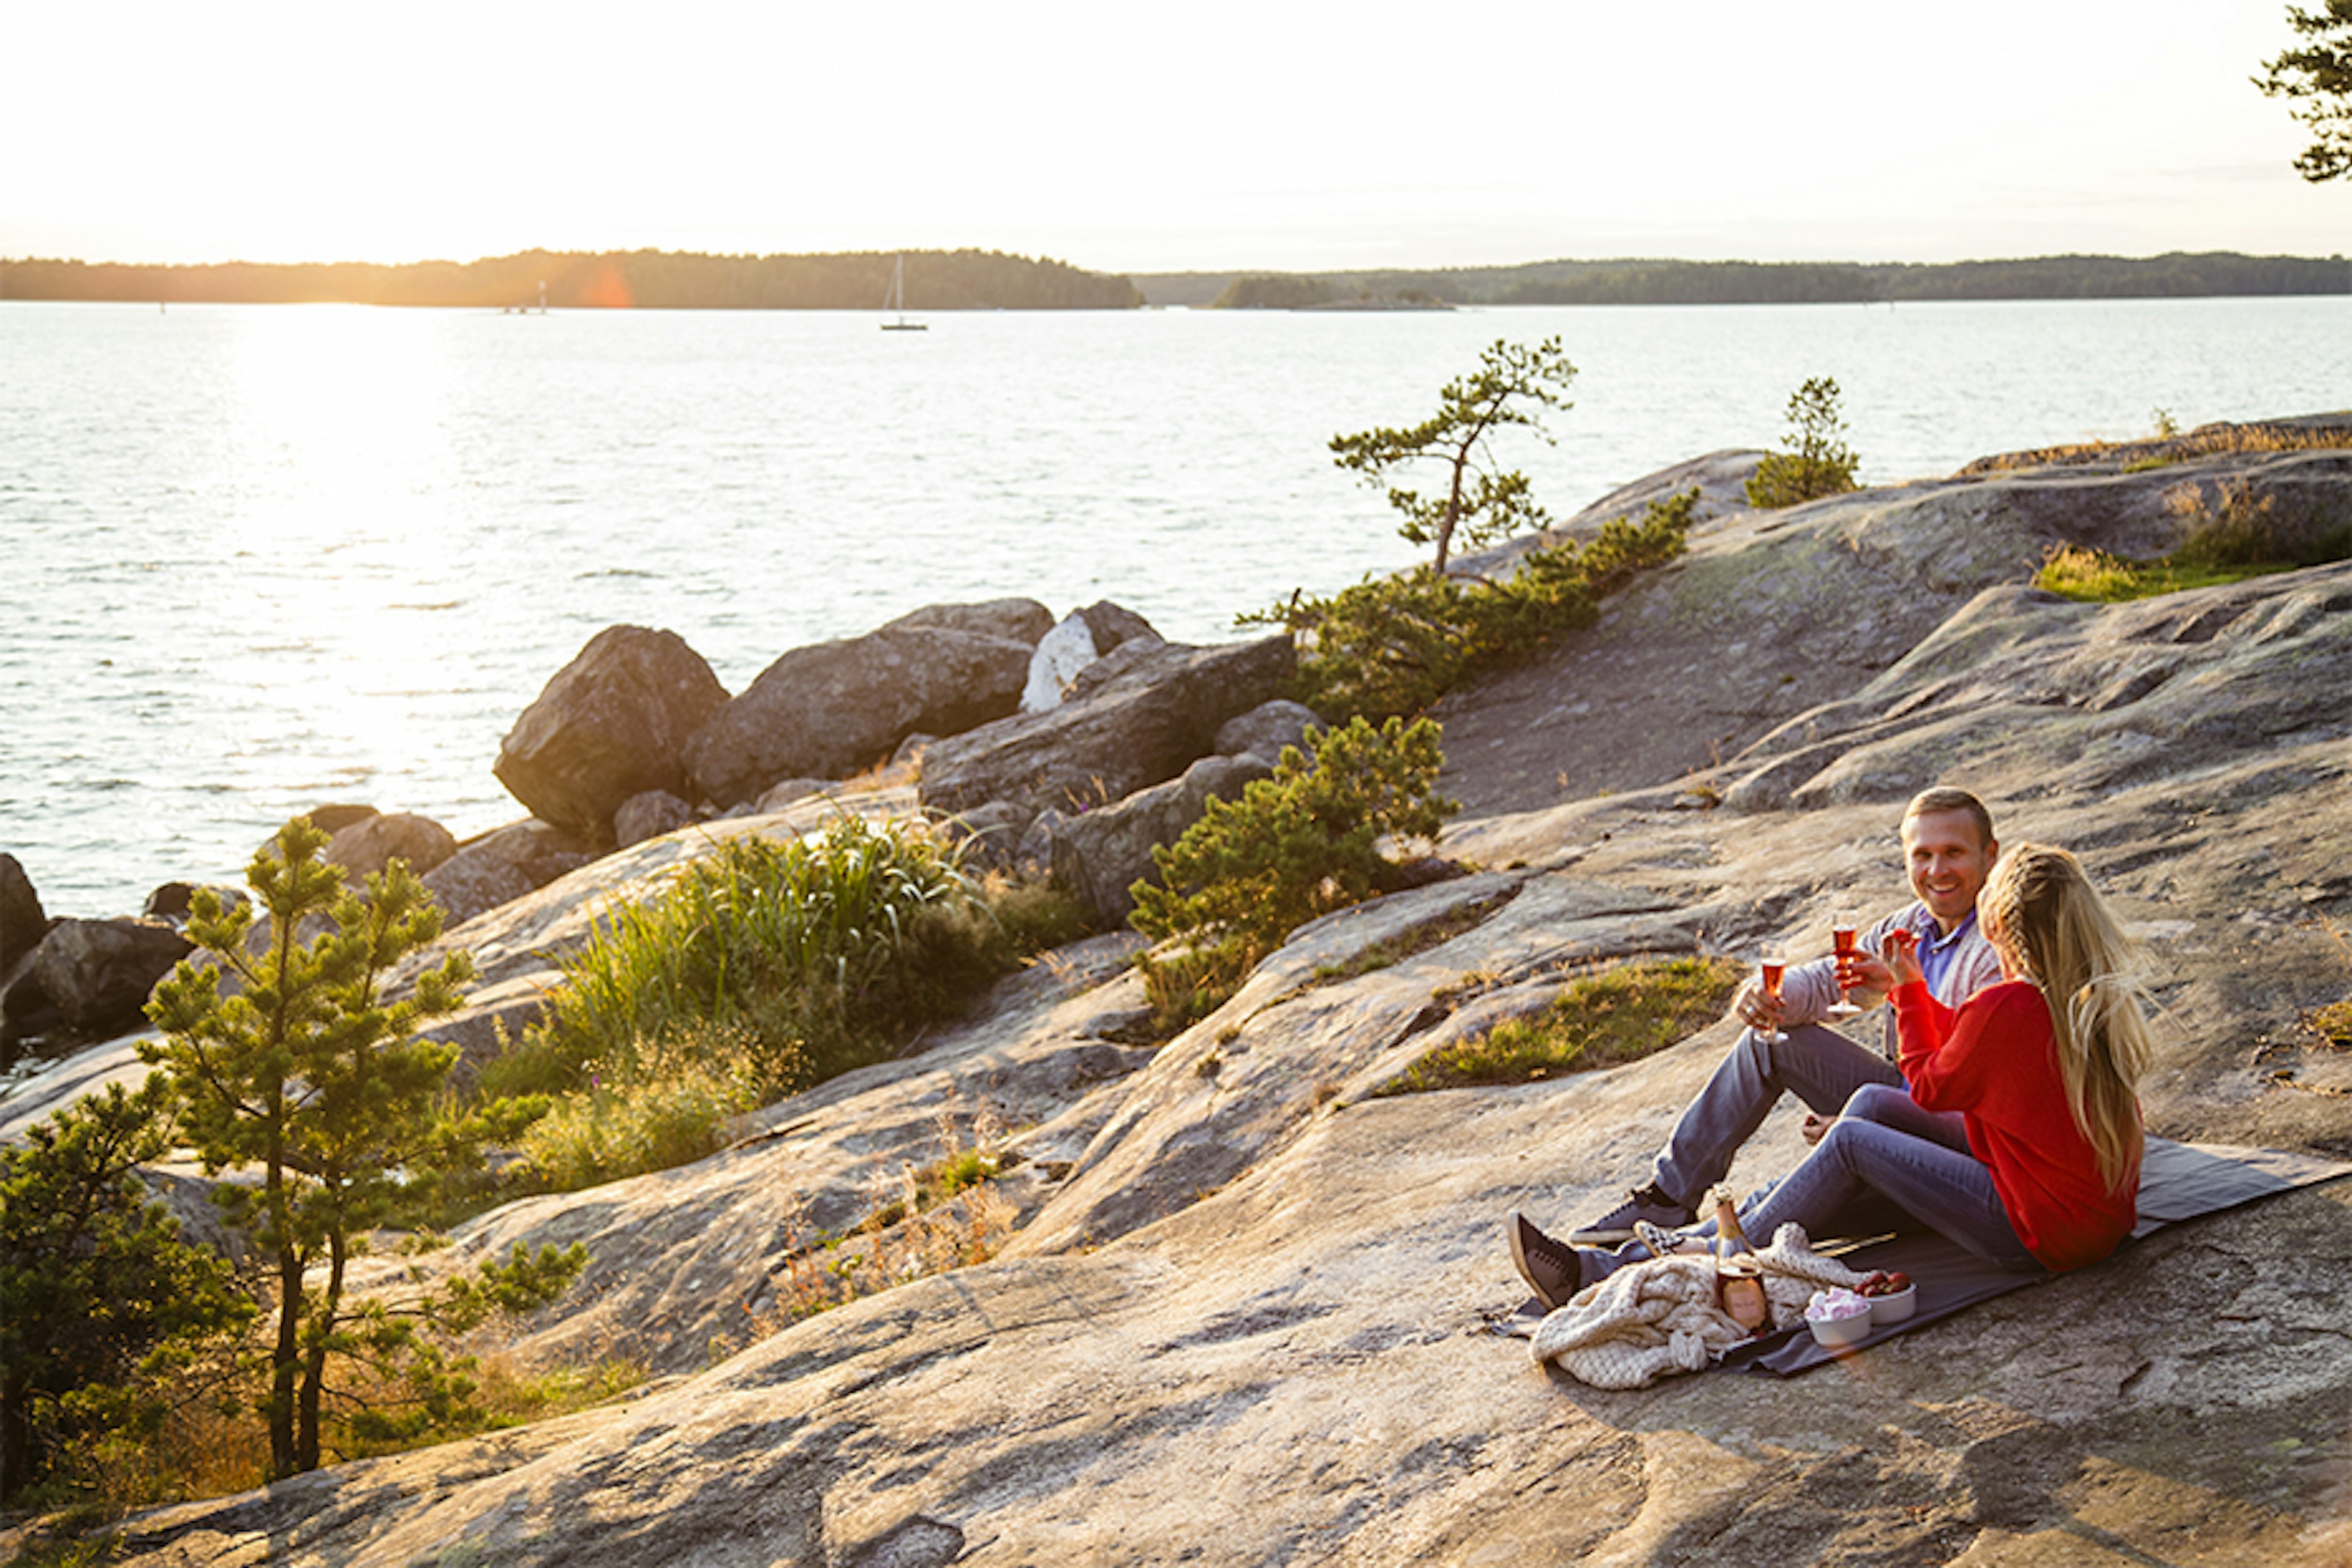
[(1617, 1015)]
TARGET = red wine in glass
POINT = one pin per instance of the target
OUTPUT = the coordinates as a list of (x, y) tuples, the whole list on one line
[(1843, 931), (1768, 971)]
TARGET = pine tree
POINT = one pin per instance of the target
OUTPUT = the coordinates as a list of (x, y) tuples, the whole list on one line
[(97, 1291), (1512, 386), (304, 1074)]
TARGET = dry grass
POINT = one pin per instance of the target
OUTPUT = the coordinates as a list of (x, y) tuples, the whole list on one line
[(940, 1216), (214, 1441), (2205, 441)]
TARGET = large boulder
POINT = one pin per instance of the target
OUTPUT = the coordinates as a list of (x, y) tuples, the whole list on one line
[(90, 979), (330, 819), (369, 845), (1016, 620), (1114, 626), (1139, 716), (1097, 856), (502, 865), (827, 710), (613, 723), (22, 921)]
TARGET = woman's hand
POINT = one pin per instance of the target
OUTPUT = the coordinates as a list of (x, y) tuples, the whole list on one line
[(1900, 954)]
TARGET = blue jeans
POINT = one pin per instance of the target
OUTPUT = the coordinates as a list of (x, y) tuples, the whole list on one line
[(1819, 1066), (1883, 1144)]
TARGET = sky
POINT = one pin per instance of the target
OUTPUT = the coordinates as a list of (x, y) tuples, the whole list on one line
[(1211, 136)]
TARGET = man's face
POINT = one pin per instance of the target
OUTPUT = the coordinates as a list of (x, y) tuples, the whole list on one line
[(1949, 863)]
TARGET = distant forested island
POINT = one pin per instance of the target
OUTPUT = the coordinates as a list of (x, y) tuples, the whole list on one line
[(646, 280), (988, 279), (1668, 283)]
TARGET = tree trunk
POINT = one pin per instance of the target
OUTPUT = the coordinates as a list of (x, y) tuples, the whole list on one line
[(15, 1437), (284, 1361), (314, 1358)]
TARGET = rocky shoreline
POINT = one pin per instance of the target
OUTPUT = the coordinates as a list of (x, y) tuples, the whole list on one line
[(1244, 1314), (1069, 746)]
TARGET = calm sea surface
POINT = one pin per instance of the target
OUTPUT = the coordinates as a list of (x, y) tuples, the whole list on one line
[(255, 559)]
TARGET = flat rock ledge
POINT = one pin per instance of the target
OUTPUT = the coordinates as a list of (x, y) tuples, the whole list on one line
[(1249, 1313)]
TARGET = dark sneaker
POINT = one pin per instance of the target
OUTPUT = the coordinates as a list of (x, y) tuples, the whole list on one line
[(1645, 1205), (1555, 1272)]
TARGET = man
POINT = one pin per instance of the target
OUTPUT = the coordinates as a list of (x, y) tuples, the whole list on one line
[(1949, 850)]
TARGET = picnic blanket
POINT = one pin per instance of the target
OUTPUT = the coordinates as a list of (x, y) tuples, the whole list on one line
[(2178, 1182), (1652, 1320)]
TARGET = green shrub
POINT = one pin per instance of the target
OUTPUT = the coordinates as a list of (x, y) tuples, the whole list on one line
[(1816, 463), (1619, 1015), (1294, 847), (765, 967), (1390, 646)]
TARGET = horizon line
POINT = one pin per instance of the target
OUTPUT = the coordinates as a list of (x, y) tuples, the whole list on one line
[(1181, 272)]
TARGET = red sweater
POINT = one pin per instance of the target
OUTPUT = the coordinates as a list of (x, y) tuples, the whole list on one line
[(1996, 1061)]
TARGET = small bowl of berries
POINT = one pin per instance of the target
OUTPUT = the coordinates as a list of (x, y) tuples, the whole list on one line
[(1890, 1295)]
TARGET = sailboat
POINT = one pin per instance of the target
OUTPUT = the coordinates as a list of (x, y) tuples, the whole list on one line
[(897, 301)]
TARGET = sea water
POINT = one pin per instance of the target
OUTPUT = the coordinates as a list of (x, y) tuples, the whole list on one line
[(255, 559)]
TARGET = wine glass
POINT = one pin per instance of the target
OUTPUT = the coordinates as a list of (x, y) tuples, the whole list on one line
[(1771, 965), (1843, 927)]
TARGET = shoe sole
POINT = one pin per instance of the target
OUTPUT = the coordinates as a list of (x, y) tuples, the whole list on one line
[(1599, 1237), (1517, 1227)]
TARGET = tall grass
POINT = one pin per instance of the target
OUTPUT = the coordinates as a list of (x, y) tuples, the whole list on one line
[(765, 967)]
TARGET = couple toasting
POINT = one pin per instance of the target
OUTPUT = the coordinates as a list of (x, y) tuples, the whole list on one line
[(2000, 1111)]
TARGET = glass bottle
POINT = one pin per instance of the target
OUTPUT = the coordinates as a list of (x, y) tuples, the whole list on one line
[(1739, 1276)]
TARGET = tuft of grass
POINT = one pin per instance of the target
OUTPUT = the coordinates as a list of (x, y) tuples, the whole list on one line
[(1613, 1016), (2093, 576), (807, 939), (670, 1107), (2332, 1024)]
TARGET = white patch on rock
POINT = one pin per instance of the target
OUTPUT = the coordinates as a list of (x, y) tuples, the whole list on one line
[(1061, 653)]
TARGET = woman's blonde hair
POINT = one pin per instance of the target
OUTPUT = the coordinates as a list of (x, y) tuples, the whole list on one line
[(2042, 911)]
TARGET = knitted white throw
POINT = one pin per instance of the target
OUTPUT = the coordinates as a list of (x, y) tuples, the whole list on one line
[(1657, 1318)]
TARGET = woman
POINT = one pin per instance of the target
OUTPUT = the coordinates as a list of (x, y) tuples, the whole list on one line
[(2019, 1135)]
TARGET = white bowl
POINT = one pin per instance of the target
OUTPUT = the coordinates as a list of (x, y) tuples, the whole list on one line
[(1895, 1308), (1837, 1333)]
